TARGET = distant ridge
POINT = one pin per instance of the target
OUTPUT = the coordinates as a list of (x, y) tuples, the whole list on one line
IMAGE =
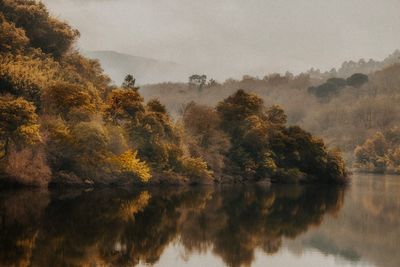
[(145, 70), (361, 66)]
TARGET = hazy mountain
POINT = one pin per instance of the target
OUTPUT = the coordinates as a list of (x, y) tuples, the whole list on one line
[(145, 70)]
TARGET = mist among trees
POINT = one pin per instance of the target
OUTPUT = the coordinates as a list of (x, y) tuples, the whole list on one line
[(233, 171), (63, 122), (345, 107)]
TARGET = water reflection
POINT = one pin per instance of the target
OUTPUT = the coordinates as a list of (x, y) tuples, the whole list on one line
[(122, 228), (235, 222), (20, 220), (367, 229)]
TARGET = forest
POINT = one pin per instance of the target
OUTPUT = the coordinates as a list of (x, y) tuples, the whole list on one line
[(212, 133), (353, 108), (63, 122)]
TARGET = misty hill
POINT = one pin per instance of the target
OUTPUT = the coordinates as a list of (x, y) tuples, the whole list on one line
[(150, 71), (147, 70), (342, 107), (361, 66)]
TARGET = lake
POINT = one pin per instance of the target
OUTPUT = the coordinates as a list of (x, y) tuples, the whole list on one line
[(279, 225)]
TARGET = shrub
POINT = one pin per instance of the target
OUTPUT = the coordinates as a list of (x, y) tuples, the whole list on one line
[(380, 153), (26, 76), (28, 167), (18, 124), (129, 163), (196, 170)]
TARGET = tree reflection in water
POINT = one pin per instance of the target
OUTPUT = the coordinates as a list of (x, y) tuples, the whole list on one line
[(123, 228)]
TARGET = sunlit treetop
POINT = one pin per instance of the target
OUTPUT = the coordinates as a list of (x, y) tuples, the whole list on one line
[(50, 35)]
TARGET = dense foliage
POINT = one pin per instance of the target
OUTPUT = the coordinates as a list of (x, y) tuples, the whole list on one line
[(344, 106), (262, 146), (380, 153), (62, 121), (333, 86)]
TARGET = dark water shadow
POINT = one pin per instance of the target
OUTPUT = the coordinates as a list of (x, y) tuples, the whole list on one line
[(124, 227)]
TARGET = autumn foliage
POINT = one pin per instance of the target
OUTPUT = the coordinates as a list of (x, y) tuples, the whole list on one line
[(63, 122)]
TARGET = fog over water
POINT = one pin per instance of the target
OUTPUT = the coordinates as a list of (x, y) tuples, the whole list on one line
[(230, 38)]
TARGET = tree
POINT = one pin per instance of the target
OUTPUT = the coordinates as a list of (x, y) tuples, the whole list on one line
[(78, 69), (357, 80), (236, 108), (128, 162), (328, 89), (124, 106), (262, 146), (245, 122), (379, 153), (90, 139), (155, 105), (204, 137), (59, 143), (44, 32), (18, 124), (149, 127), (276, 79), (212, 83), (129, 83), (27, 75), (156, 138), (197, 170), (13, 39), (70, 100), (338, 82), (198, 81), (276, 115)]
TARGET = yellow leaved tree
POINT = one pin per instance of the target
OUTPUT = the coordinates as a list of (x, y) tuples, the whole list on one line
[(128, 162), (18, 124)]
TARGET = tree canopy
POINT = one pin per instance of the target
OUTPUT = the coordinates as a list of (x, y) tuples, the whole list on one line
[(61, 107)]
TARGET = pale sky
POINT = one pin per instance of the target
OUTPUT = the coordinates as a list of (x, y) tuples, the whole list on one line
[(230, 38)]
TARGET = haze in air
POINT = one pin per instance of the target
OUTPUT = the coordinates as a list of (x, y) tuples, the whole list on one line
[(199, 133), (223, 40)]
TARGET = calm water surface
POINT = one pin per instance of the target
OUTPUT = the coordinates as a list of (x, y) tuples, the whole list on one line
[(228, 226)]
